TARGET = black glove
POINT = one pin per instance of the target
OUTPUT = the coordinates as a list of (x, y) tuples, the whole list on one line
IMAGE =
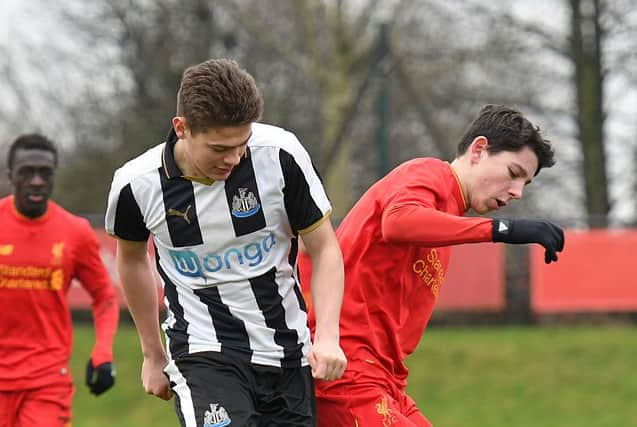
[(99, 378), (545, 233)]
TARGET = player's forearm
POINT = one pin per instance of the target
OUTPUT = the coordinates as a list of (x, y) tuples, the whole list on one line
[(327, 291), (141, 296), (105, 319), (412, 223)]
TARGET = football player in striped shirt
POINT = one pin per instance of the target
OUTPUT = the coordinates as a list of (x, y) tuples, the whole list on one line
[(396, 244), (226, 199)]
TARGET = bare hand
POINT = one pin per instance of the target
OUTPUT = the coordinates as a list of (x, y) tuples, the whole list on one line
[(327, 360), (153, 378)]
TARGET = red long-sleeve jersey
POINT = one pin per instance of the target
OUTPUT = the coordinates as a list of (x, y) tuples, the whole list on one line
[(38, 259), (395, 243)]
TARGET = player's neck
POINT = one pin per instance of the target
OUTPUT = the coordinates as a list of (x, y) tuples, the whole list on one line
[(461, 170), (184, 160), (25, 215)]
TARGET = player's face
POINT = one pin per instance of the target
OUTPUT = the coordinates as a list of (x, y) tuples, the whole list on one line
[(32, 179), (500, 177), (215, 152)]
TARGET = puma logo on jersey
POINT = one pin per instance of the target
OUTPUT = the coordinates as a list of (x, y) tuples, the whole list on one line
[(184, 214)]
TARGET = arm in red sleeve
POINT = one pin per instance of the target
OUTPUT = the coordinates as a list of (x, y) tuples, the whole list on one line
[(417, 224), (95, 279)]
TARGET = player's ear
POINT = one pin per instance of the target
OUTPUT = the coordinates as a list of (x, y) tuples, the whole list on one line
[(478, 146), (181, 126)]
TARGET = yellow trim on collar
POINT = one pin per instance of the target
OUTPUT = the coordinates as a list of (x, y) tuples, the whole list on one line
[(163, 160), (204, 181)]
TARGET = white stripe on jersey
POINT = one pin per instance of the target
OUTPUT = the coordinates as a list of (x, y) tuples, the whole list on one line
[(199, 322), (261, 337), (139, 168), (291, 144)]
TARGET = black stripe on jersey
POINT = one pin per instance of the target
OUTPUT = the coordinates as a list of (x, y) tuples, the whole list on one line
[(231, 332), (299, 297), (266, 292), (300, 206), (244, 202), (168, 155), (294, 250), (181, 211), (129, 221), (177, 333)]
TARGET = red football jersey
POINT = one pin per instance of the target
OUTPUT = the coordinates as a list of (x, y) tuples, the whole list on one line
[(395, 243), (38, 259)]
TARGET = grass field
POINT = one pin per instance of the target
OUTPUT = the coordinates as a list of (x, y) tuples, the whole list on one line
[(478, 377)]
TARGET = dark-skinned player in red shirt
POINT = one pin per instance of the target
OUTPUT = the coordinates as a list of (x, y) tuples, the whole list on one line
[(42, 248), (396, 244)]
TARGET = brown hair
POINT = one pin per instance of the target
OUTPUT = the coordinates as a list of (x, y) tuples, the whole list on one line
[(507, 129), (218, 93)]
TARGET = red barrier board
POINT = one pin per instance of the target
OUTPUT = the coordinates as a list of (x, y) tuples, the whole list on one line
[(596, 272), (475, 279)]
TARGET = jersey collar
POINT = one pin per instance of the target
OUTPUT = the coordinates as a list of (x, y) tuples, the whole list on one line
[(457, 191), (170, 165), (168, 156)]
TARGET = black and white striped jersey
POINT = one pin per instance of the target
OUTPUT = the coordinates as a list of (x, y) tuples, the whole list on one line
[(226, 251)]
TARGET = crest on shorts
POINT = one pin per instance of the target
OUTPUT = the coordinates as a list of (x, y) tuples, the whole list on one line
[(216, 416), (245, 204), (383, 409)]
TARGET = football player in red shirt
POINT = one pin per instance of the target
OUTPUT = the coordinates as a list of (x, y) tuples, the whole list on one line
[(396, 242), (42, 248)]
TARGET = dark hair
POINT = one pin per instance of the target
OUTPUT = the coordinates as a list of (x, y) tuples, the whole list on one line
[(218, 93), (32, 141), (507, 129)]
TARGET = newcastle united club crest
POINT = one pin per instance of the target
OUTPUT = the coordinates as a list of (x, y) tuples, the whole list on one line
[(216, 416), (245, 204)]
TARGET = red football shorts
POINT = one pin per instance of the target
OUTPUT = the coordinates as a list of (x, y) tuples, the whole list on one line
[(45, 406), (359, 403)]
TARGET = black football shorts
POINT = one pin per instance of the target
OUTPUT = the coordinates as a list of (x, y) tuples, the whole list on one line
[(214, 390)]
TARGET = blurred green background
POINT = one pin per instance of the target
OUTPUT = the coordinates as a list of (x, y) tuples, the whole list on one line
[(564, 376)]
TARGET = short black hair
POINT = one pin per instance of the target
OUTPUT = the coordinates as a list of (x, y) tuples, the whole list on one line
[(507, 129), (32, 141)]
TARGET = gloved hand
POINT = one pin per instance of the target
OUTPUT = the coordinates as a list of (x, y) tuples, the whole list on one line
[(521, 231), (100, 378)]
